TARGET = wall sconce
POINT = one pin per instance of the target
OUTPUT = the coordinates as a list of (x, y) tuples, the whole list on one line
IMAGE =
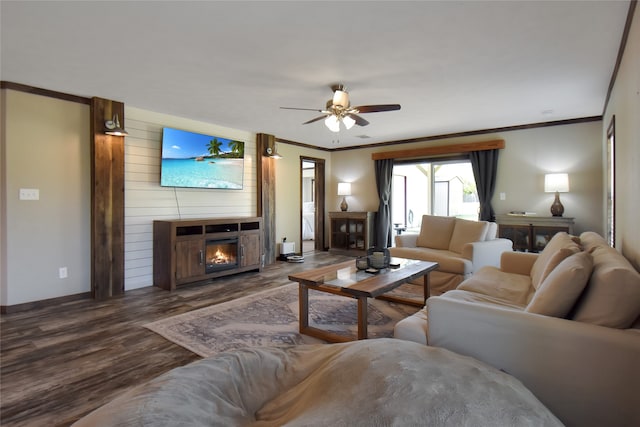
[(344, 189), (558, 183), (271, 151), (113, 127)]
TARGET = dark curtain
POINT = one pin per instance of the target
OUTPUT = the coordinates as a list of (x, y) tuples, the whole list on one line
[(485, 168), (384, 176)]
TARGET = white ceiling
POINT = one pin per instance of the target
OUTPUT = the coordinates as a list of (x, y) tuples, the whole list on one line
[(453, 66)]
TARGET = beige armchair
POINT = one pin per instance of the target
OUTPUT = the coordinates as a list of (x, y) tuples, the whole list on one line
[(459, 246)]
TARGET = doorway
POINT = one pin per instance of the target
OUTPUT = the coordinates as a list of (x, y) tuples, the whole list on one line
[(312, 206)]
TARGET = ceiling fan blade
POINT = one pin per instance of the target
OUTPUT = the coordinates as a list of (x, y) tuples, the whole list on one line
[(314, 120), (359, 120), (303, 109), (377, 108)]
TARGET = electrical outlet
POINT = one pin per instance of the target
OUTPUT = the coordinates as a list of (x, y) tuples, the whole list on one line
[(29, 194), (62, 272)]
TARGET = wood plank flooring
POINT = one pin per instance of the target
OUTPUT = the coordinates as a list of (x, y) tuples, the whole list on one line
[(58, 363)]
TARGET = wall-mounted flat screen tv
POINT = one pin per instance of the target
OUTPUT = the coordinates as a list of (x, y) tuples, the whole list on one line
[(200, 161)]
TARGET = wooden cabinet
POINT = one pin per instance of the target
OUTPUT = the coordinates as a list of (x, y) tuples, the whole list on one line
[(189, 258), (351, 232), (250, 249), (531, 233), (187, 251)]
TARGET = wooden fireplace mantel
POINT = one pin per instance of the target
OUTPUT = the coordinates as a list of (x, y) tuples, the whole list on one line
[(179, 248)]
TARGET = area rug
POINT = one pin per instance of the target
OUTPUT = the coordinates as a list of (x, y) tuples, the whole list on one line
[(270, 318)]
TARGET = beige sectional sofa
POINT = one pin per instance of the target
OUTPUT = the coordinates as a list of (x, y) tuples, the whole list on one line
[(565, 322), (459, 246)]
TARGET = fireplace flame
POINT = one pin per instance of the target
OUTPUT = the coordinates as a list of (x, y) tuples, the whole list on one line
[(220, 257)]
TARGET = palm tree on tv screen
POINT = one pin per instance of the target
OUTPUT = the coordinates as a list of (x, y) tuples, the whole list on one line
[(214, 147), (237, 147)]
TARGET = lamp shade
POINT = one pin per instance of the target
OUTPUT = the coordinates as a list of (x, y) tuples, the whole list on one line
[(348, 122), (332, 123), (341, 98), (556, 182), (344, 189)]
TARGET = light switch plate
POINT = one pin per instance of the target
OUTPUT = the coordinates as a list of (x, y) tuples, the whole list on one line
[(29, 194)]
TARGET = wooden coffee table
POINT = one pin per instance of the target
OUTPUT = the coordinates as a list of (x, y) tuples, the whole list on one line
[(346, 280)]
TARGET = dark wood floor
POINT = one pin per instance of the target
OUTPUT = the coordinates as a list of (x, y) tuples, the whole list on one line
[(60, 362)]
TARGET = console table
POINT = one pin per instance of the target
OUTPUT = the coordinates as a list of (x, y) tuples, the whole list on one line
[(531, 233)]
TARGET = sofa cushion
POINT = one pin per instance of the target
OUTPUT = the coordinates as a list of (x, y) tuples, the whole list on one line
[(465, 232), (561, 246), (612, 295), (514, 288), (435, 231), (450, 262), (591, 240), (488, 300), (558, 293)]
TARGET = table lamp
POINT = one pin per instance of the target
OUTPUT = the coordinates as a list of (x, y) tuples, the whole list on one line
[(344, 189), (558, 183)]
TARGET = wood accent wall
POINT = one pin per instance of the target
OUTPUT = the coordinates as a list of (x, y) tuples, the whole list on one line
[(266, 176), (107, 201), (439, 150)]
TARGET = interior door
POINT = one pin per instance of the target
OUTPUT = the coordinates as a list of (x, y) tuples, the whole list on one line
[(312, 196)]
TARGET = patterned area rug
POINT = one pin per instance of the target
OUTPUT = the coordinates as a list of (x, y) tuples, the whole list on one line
[(270, 318)]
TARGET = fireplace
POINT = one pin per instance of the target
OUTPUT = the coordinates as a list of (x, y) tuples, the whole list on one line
[(221, 254)]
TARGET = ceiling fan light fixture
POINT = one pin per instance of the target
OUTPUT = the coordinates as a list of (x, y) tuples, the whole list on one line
[(341, 98), (348, 122), (332, 123)]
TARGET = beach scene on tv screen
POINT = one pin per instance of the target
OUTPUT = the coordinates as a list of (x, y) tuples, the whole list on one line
[(202, 161)]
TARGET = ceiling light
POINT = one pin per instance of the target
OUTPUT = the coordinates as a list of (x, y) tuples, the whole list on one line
[(333, 123), (348, 122), (341, 98)]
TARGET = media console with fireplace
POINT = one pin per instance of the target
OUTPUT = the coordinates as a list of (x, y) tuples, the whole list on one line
[(187, 251)]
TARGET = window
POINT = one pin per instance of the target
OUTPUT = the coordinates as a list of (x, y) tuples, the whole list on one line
[(445, 188)]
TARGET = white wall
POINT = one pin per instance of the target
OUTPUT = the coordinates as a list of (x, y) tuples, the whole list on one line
[(46, 146), (288, 179), (625, 105), (146, 200), (528, 155)]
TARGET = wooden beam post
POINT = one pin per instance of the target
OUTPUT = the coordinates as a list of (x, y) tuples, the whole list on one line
[(107, 201), (266, 187)]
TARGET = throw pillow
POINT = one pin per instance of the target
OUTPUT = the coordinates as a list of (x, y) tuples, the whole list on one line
[(559, 247), (612, 296), (435, 231), (591, 240), (559, 292), (465, 232)]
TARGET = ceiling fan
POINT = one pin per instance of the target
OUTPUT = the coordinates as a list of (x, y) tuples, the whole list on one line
[(338, 110)]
